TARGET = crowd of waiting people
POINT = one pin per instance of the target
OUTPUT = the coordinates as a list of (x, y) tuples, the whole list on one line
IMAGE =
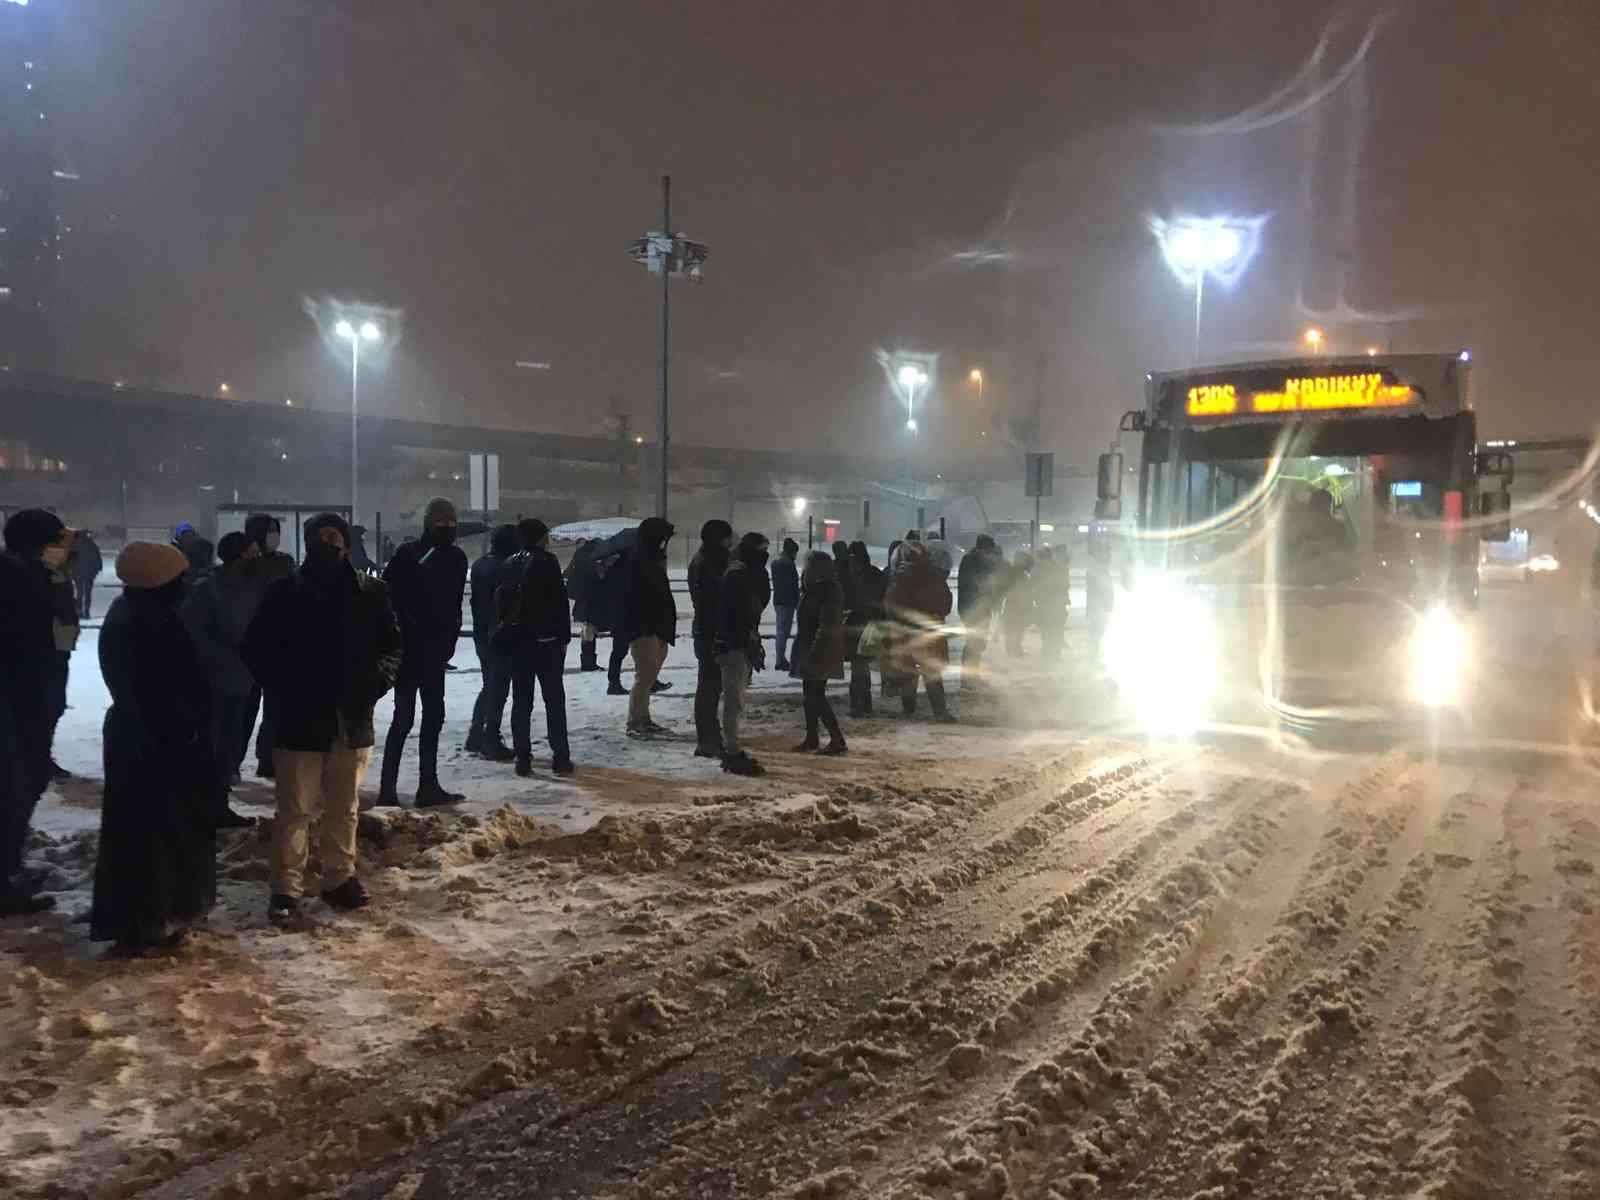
[(205, 645)]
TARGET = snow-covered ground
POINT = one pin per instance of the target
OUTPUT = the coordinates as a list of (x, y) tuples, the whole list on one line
[(1018, 956)]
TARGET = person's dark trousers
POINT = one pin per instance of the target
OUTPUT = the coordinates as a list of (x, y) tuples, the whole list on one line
[(267, 735), (819, 708), (427, 678), (488, 712), (228, 736), (247, 725), (619, 654), (908, 694), (60, 666), (707, 701), (544, 663), (24, 775), (86, 600), (860, 685)]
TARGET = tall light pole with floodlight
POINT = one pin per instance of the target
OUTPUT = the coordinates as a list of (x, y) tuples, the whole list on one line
[(367, 331), (911, 377), (1196, 247), (1314, 340)]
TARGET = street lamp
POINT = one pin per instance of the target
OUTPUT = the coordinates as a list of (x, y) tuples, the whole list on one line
[(1314, 340), (1195, 247), (911, 379), (367, 331)]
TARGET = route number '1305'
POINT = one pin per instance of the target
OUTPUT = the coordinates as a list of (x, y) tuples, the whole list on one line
[(1212, 400)]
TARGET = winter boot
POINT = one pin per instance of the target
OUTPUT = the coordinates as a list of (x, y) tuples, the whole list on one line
[(659, 686), (615, 688), (433, 795), (474, 742), (562, 766), (388, 798), (588, 660), (284, 912), (497, 751), (835, 747), (349, 895), (806, 747), (524, 766), (742, 764)]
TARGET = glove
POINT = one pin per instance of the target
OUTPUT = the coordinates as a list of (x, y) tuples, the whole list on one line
[(758, 656)]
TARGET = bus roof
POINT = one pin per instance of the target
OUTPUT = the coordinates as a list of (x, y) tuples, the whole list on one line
[(1342, 386)]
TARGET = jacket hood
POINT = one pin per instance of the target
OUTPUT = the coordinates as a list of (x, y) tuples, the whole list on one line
[(750, 546), (503, 541), (714, 530), (819, 566), (984, 542), (654, 532)]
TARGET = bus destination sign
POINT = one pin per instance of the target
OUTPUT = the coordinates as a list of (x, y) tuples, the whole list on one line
[(1312, 393)]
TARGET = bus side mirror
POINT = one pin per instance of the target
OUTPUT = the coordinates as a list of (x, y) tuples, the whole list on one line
[(1109, 484), (1494, 508)]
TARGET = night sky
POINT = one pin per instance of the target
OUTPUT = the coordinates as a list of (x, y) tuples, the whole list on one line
[(971, 180)]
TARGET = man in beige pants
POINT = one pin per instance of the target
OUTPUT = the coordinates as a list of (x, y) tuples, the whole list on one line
[(647, 617), (326, 642)]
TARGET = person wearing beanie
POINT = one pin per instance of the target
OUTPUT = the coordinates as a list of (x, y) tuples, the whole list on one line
[(200, 552), (745, 589), (31, 690), (533, 628), (155, 866), (217, 611), (785, 598), (706, 569), (266, 531), (326, 643), (427, 580), (489, 710)]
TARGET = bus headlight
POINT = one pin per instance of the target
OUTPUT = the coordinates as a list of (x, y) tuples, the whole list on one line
[(1439, 652), (1161, 650)]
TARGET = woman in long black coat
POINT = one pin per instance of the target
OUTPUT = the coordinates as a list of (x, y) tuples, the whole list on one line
[(818, 653), (156, 870)]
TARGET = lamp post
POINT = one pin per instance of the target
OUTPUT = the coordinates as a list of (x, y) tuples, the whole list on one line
[(911, 377), (367, 331), (1314, 340), (1196, 247)]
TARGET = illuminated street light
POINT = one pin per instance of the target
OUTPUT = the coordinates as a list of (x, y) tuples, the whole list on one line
[(369, 332), (1195, 247), (1314, 340), (223, 388), (799, 506), (1372, 352), (976, 375)]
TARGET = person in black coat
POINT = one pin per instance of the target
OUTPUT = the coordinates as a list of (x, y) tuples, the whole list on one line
[(785, 576), (427, 580), (155, 870), (216, 612), (535, 625), (87, 562), (581, 579), (647, 617), (605, 609), (327, 644), (864, 586), (200, 552), (742, 600), (706, 569), (37, 542), (976, 599), (819, 644), (487, 713), (273, 564)]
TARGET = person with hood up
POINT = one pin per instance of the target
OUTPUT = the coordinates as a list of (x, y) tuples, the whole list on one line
[(647, 617), (785, 576), (581, 587), (534, 627), (745, 590), (200, 552), (155, 871), (975, 598), (427, 579), (65, 627), (217, 611), (919, 600), (87, 562), (841, 558), (864, 590), (1052, 597), (272, 564), (706, 569), (1019, 602), (484, 737), (819, 649), (326, 642), (37, 543), (898, 551)]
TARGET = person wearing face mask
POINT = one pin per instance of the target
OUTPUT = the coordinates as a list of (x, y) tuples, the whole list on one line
[(265, 531), (742, 600), (155, 867), (327, 643), (29, 691), (427, 579)]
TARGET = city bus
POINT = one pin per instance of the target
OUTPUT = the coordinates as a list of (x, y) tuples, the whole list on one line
[(1306, 540)]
